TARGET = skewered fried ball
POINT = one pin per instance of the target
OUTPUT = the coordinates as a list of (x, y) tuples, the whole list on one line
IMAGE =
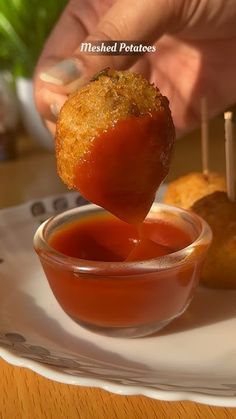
[(207, 197), (113, 143), (186, 190), (220, 267)]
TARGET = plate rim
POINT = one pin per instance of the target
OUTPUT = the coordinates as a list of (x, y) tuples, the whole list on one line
[(53, 374)]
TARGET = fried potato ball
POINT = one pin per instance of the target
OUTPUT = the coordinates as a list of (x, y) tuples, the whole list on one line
[(220, 267), (207, 197), (186, 190), (113, 142)]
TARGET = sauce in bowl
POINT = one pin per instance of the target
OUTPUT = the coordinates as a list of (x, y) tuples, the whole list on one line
[(120, 279)]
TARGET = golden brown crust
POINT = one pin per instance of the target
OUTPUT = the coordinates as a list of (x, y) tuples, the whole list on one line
[(97, 106), (186, 190), (208, 199), (220, 267)]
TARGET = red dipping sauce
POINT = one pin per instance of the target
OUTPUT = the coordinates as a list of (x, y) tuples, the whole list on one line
[(126, 164), (111, 276), (105, 238)]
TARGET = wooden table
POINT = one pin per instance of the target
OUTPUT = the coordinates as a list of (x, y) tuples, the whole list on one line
[(26, 395)]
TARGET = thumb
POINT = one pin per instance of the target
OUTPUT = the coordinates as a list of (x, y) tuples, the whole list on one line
[(143, 21)]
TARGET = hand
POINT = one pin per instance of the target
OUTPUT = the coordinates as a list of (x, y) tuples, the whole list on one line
[(196, 44)]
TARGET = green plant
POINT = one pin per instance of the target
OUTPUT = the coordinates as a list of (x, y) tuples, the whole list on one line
[(24, 27)]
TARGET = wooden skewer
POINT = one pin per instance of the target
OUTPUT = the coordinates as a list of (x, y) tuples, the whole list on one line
[(204, 137), (229, 155)]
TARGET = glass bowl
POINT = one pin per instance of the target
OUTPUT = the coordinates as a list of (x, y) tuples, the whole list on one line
[(125, 299)]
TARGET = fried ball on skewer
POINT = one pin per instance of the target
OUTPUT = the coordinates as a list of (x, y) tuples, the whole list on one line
[(220, 267), (113, 143), (186, 190), (207, 197)]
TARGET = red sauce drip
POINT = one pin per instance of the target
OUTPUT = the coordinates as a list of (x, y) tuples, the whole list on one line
[(126, 165), (108, 239)]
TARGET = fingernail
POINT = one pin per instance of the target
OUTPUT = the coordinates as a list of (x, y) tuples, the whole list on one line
[(55, 109), (63, 73)]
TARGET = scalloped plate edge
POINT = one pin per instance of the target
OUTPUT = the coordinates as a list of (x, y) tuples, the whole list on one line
[(125, 390)]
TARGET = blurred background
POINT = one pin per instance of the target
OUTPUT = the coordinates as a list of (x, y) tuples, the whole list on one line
[(24, 27), (27, 161)]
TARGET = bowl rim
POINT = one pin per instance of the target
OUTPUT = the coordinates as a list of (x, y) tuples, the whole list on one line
[(194, 251)]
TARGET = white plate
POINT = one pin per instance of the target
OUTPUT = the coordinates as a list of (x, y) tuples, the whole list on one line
[(194, 358)]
